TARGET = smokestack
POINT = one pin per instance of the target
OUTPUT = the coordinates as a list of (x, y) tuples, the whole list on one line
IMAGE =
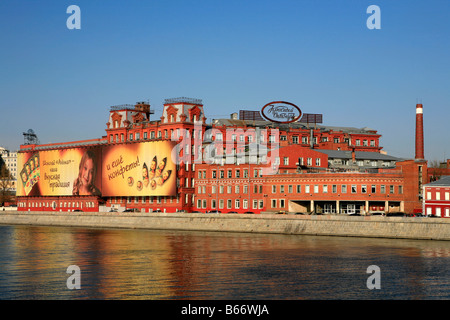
[(419, 132)]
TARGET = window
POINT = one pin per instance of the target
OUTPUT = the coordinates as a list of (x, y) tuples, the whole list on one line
[(255, 204), (400, 189), (391, 189), (307, 188), (316, 188), (290, 188), (282, 189), (374, 188), (383, 188), (222, 174), (325, 188), (244, 204), (238, 173), (274, 189), (236, 189), (246, 173), (229, 173), (131, 137), (283, 138), (214, 174), (229, 204), (334, 188), (237, 204), (305, 140), (299, 188), (199, 203), (229, 189), (447, 196), (336, 140), (317, 161), (281, 203), (309, 162), (245, 189), (221, 204), (353, 188), (438, 195), (286, 161), (363, 188), (358, 142), (372, 143), (274, 203), (138, 135)]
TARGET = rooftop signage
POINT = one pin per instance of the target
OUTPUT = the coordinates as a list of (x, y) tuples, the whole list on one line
[(281, 112)]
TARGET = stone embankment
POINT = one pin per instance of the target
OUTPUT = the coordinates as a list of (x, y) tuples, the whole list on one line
[(324, 225)]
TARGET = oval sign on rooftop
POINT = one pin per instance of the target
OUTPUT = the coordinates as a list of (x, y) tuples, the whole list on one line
[(281, 112)]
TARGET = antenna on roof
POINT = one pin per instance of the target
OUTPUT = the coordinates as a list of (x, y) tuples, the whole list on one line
[(30, 137)]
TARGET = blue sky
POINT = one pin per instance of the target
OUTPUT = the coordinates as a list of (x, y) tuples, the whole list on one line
[(317, 54)]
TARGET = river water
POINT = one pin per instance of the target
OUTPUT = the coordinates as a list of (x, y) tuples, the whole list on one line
[(169, 265)]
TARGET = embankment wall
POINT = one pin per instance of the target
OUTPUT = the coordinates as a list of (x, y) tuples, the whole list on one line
[(325, 225)]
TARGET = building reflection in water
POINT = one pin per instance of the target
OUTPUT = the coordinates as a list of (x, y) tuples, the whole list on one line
[(139, 264)]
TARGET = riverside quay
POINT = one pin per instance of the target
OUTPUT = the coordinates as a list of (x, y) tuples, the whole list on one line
[(246, 163)]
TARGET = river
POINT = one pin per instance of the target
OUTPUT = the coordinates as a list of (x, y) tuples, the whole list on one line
[(175, 265)]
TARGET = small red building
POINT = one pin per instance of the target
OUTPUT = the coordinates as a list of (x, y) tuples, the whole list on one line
[(436, 200)]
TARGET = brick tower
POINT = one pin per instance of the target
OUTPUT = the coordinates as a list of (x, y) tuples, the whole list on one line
[(419, 132)]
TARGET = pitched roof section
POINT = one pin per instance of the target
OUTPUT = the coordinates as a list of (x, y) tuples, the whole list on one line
[(359, 155), (294, 125), (444, 181)]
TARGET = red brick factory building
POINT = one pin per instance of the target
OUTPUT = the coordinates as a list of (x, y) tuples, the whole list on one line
[(313, 168)]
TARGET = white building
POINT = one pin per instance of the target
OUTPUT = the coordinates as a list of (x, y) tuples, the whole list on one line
[(10, 160)]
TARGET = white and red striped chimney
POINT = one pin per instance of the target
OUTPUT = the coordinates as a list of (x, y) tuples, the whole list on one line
[(419, 132)]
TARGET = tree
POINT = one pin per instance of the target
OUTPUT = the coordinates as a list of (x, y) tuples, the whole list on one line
[(6, 185)]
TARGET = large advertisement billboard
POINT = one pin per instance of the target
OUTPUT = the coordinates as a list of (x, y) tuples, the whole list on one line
[(138, 169)]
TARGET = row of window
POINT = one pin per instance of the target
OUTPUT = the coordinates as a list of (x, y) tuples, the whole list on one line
[(229, 173), (438, 212), (437, 195), (257, 188), (56, 204), (152, 135), (256, 204), (335, 188)]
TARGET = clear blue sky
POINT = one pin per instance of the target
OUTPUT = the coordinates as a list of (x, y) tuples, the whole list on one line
[(234, 55)]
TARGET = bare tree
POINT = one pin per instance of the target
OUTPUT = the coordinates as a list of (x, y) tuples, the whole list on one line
[(6, 185)]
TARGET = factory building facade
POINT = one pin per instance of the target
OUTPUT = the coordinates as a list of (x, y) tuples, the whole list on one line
[(228, 166)]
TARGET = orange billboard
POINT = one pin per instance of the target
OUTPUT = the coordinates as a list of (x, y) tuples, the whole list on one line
[(138, 169)]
